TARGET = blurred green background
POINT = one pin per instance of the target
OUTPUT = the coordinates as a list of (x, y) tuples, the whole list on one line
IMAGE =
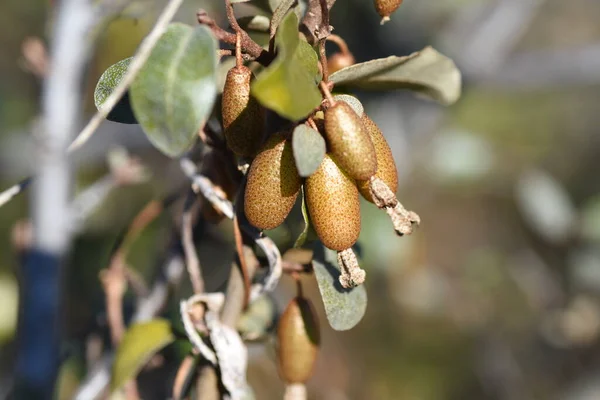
[(496, 296)]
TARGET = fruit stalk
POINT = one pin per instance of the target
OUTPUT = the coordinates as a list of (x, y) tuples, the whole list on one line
[(383, 197), (351, 273)]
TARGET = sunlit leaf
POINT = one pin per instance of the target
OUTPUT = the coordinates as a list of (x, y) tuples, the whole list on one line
[(288, 86), (344, 307), (109, 80), (426, 72), (309, 149), (139, 344), (175, 91)]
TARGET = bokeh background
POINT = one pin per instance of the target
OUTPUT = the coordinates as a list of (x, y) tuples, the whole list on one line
[(496, 296)]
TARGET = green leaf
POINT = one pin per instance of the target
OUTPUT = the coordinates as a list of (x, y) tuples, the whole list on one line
[(426, 72), (139, 344), (352, 102), (288, 86), (109, 80), (175, 91), (344, 307), (309, 149), (303, 237)]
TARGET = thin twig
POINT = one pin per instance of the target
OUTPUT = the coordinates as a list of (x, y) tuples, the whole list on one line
[(14, 190), (248, 45), (239, 245), (340, 42), (184, 375), (189, 248), (134, 68), (201, 184)]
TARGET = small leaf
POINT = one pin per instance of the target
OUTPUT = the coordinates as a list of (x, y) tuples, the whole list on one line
[(352, 102), (426, 72), (288, 86), (309, 149), (344, 307), (109, 80), (175, 91), (139, 344)]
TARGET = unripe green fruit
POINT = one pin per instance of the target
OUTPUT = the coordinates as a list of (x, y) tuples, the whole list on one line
[(273, 184), (349, 142), (386, 167), (333, 205), (338, 61), (298, 340), (243, 116)]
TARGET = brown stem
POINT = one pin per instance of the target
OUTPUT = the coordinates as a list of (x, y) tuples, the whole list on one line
[(327, 93), (191, 256), (311, 123), (239, 245), (239, 62), (183, 376), (323, 60), (341, 43), (248, 45)]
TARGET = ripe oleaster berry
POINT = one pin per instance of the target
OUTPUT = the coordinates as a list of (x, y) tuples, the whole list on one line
[(333, 205), (273, 184), (349, 142), (386, 167), (298, 340), (243, 116)]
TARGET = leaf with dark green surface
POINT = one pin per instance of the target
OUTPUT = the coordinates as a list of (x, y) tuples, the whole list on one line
[(426, 72), (344, 308), (309, 149), (174, 93), (109, 80), (288, 86), (139, 344)]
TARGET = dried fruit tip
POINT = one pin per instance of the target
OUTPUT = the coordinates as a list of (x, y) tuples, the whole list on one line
[(402, 219), (385, 8), (351, 273)]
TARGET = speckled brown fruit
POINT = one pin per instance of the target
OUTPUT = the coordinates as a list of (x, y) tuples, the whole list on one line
[(386, 167), (243, 116), (297, 341), (273, 184), (385, 8), (333, 205), (349, 142), (338, 61)]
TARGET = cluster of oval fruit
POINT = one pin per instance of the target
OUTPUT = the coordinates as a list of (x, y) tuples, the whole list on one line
[(358, 160)]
